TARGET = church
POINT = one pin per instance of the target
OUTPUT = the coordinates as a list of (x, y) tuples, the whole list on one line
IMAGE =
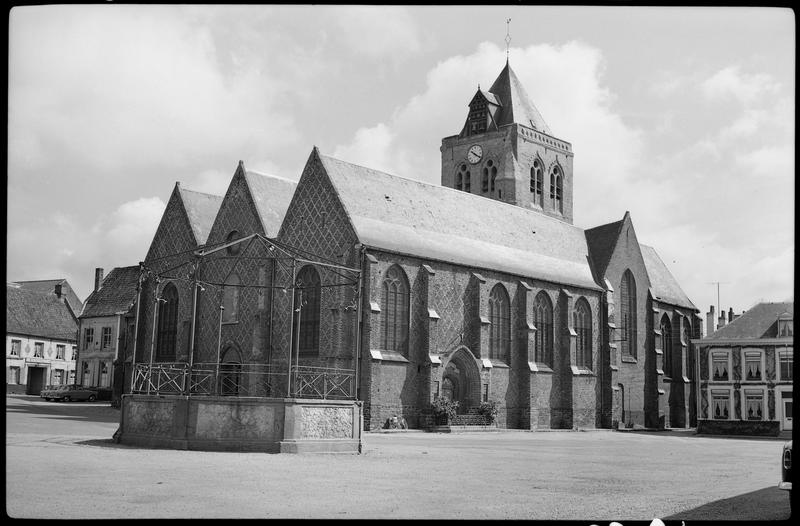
[(479, 290)]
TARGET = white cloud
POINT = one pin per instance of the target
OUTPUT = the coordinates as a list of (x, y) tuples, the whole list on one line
[(378, 32), (730, 82), (370, 147), (770, 161)]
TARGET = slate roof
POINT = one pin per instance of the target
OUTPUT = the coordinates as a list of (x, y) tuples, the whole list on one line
[(272, 196), (664, 286), (761, 321), (201, 210), (116, 295), (601, 241), (414, 218), (46, 286), (33, 313), (516, 106)]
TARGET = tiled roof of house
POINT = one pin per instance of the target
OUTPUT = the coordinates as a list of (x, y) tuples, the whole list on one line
[(664, 286), (272, 196), (116, 294), (761, 321), (516, 106), (201, 209), (49, 285), (33, 313), (414, 218)]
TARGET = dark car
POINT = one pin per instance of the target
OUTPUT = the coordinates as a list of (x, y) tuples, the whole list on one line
[(68, 393), (786, 469), (47, 392)]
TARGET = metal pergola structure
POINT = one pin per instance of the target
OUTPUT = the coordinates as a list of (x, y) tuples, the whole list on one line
[(246, 379)]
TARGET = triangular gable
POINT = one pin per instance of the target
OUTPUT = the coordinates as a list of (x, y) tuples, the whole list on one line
[(174, 232), (602, 240), (664, 286), (271, 196), (201, 210), (237, 211)]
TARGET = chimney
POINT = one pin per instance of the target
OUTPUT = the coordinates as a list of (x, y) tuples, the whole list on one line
[(98, 278), (721, 320), (58, 290), (710, 321)]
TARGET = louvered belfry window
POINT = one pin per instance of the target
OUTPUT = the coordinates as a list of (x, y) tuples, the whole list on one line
[(167, 324), (500, 327), (395, 311), (627, 306), (307, 299)]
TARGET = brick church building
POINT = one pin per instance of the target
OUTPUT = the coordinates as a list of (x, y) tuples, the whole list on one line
[(478, 289)]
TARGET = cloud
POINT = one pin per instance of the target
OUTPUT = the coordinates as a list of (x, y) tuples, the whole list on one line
[(378, 32), (370, 147), (731, 83)]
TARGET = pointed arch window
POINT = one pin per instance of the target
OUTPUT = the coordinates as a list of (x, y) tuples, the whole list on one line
[(167, 324), (666, 345), (230, 299), (307, 301), (583, 328), (543, 321), (557, 189), (463, 181), (537, 181), (500, 328), (627, 294), (230, 372), (395, 311)]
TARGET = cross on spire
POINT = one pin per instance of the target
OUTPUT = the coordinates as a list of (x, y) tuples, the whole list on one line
[(508, 36)]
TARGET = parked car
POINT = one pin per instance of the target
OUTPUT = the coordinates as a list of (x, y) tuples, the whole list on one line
[(47, 392), (68, 393), (786, 469)]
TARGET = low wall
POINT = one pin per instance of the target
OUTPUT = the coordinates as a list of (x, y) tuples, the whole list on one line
[(739, 427), (271, 425)]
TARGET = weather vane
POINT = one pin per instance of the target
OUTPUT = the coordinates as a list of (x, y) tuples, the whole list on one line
[(508, 36)]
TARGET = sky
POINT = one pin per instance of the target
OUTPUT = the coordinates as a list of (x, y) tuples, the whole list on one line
[(682, 116)]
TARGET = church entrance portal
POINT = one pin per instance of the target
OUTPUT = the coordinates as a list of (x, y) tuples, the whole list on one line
[(461, 380)]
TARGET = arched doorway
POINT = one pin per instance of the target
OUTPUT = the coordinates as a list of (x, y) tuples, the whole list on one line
[(230, 372), (461, 380)]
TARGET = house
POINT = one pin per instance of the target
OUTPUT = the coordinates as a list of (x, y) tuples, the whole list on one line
[(41, 328), (477, 290), (745, 373), (102, 326)]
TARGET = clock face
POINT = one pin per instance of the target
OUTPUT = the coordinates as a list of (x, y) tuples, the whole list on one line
[(475, 154)]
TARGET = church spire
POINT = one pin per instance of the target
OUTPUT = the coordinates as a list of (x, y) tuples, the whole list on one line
[(516, 105), (508, 37)]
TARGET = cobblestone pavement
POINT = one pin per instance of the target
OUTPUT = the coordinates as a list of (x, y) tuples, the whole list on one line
[(62, 464)]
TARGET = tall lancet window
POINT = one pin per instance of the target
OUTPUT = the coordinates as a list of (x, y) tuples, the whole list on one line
[(557, 189), (167, 324), (666, 345), (500, 328), (537, 181), (307, 300), (543, 321), (394, 311), (583, 328), (627, 305)]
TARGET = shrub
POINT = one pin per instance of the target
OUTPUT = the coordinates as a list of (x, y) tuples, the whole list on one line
[(489, 410), (444, 408)]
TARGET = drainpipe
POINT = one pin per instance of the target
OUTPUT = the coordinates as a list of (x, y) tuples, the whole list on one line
[(297, 335), (697, 385), (219, 344), (291, 330), (153, 338), (187, 386), (359, 313)]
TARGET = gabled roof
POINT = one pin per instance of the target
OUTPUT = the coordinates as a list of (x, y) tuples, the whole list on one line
[(115, 296), (272, 196), (46, 286), (490, 97), (664, 286), (516, 106), (411, 217), (602, 240), (201, 209), (38, 314), (761, 321)]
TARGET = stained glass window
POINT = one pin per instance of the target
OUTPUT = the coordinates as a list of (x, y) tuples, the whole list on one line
[(500, 328)]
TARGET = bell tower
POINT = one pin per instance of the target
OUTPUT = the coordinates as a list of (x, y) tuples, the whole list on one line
[(506, 152)]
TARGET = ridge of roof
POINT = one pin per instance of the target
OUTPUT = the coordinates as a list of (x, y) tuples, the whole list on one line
[(201, 209)]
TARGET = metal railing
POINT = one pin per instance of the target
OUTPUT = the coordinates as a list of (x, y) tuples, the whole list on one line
[(251, 380)]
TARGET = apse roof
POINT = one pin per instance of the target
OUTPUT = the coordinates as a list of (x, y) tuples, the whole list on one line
[(411, 217), (664, 286)]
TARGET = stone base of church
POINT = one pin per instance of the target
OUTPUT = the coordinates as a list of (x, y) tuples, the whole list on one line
[(269, 425)]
